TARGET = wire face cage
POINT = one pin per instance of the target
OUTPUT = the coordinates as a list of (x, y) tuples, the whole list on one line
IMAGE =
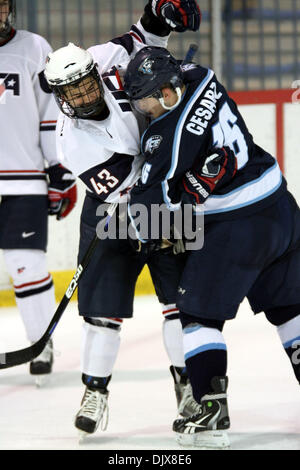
[(81, 98)]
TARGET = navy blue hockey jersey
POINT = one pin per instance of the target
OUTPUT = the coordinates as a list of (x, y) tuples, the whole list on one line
[(206, 117)]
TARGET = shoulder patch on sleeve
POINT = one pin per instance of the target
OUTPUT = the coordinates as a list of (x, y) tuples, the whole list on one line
[(43, 83)]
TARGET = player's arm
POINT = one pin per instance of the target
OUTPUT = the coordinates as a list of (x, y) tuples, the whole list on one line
[(159, 19), (149, 192), (218, 169), (47, 107)]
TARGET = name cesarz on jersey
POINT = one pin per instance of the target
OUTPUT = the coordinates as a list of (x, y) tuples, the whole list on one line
[(204, 113)]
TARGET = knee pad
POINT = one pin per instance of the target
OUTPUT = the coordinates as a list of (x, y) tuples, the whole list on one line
[(280, 315), (26, 265), (208, 323)]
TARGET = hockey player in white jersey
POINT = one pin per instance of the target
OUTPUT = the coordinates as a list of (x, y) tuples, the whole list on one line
[(28, 162), (98, 138)]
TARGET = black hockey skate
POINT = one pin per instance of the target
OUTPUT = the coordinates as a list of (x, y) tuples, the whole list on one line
[(41, 366), (206, 428), (186, 404)]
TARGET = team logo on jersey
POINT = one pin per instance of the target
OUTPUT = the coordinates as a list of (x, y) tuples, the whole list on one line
[(9, 82), (153, 143)]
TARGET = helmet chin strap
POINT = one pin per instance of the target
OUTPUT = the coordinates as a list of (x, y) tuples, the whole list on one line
[(169, 108)]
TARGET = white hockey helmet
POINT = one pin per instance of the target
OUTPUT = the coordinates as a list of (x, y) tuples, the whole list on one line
[(72, 68), (68, 64)]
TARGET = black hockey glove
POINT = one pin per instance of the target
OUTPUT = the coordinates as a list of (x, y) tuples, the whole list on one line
[(173, 244), (147, 248), (218, 169), (165, 246), (62, 191), (180, 15)]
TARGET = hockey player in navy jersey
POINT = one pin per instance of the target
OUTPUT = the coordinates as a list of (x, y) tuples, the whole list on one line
[(32, 182), (98, 138), (252, 224)]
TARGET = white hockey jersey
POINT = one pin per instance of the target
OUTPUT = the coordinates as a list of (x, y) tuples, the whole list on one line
[(28, 114), (106, 154)]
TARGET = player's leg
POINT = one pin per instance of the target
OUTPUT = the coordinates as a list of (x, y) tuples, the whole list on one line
[(23, 238), (287, 322), (214, 282), (277, 289), (99, 349), (166, 269), (105, 298), (206, 361), (34, 293), (172, 338)]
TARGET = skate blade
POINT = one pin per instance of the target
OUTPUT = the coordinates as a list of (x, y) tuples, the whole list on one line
[(41, 380), (206, 440), (82, 436)]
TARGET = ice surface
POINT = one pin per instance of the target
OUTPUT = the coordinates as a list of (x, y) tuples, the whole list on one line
[(264, 397)]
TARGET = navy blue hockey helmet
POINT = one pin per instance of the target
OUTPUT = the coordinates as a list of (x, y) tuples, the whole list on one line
[(6, 23), (149, 71)]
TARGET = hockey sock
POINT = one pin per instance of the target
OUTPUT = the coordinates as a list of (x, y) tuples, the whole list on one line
[(33, 288), (287, 321), (289, 334), (99, 383), (99, 348), (205, 355), (173, 337)]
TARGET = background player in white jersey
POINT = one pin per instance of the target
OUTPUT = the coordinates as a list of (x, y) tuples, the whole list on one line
[(252, 225), (98, 136), (28, 116)]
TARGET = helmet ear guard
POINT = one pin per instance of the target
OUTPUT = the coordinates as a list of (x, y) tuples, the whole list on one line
[(176, 84), (169, 108)]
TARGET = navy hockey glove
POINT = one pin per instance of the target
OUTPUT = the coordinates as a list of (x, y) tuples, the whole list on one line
[(180, 15), (62, 191), (218, 169)]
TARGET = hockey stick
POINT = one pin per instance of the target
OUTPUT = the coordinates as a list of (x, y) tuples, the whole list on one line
[(15, 358), (190, 54)]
